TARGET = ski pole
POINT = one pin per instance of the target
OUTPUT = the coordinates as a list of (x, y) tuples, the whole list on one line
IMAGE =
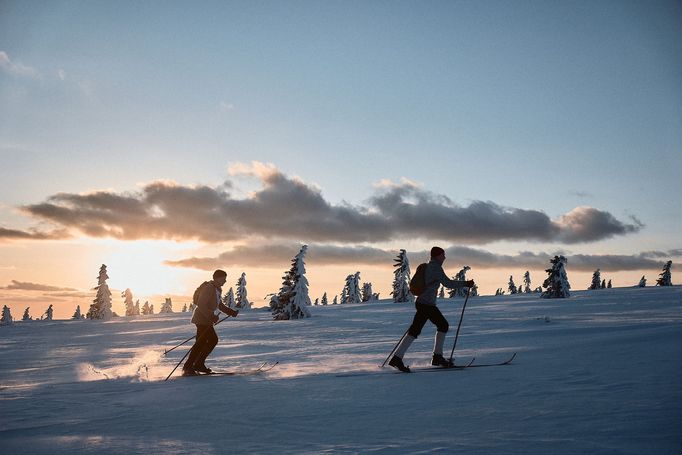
[(191, 338), (394, 348), (452, 354)]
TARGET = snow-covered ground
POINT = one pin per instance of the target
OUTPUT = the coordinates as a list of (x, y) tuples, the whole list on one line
[(597, 373)]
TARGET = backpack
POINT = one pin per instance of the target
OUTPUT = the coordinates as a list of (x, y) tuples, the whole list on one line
[(418, 280), (195, 297)]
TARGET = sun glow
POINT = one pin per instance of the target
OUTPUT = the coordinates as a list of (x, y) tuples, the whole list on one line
[(140, 266)]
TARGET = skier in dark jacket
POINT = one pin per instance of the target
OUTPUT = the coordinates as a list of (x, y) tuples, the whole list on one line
[(427, 310), (207, 300)]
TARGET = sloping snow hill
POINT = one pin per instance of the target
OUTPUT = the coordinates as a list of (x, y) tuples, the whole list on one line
[(596, 373)]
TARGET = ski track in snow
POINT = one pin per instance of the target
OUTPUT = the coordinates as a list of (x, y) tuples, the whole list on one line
[(596, 373)]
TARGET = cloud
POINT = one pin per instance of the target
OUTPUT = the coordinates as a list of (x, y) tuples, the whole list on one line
[(279, 255), (25, 286), (32, 234), (289, 208), (16, 68)]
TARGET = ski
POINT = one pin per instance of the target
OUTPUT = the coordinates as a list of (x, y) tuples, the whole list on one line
[(265, 366), (479, 365)]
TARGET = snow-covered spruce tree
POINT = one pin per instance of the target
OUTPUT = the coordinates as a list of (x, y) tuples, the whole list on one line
[(151, 309), (166, 307), (336, 300), (77, 314), (316, 302), (26, 316), (608, 285), (665, 278), (228, 299), (351, 290), (292, 301), (526, 282), (556, 284), (474, 291), (48, 313), (136, 308), (596, 280), (603, 284), (325, 302), (642, 282), (101, 305), (128, 301), (146, 309), (242, 300), (367, 292), (184, 308), (401, 279), (511, 287), (461, 276), (6, 315)]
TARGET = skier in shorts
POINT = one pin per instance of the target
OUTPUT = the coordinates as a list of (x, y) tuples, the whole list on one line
[(427, 310)]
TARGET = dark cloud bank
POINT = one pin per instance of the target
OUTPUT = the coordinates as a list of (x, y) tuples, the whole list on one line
[(356, 256), (288, 209)]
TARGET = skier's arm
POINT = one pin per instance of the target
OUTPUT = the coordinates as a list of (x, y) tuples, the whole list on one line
[(227, 310), (206, 302), (453, 284)]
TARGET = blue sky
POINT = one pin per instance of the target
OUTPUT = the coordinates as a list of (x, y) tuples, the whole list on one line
[(534, 105)]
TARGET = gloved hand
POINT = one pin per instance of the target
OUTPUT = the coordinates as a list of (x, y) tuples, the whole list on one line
[(470, 283)]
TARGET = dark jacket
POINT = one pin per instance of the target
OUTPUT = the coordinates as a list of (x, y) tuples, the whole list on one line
[(208, 300), (434, 276)]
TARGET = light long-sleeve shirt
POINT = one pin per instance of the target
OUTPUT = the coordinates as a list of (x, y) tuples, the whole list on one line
[(434, 276)]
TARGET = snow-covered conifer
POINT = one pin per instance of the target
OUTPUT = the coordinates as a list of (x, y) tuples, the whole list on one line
[(325, 302), (351, 291), (77, 314), (401, 279), (461, 276), (474, 291), (642, 282), (511, 287), (526, 282), (316, 302), (228, 299), (6, 315), (608, 285), (128, 300), (146, 309), (596, 280), (665, 278), (241, 300), (292, 301), (136, 309), (48, 313), (101, 305), (557, 284), (336, 300), (151, 309), (603, 283), (367, 292), (166, 307), (26, 316), (184, 308)]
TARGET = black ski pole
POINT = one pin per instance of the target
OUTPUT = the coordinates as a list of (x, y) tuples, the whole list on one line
[(394, 348), (452, 354), (191, 338)]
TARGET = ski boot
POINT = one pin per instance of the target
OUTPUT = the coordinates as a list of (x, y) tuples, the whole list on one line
[(439, 361), (397, 362)]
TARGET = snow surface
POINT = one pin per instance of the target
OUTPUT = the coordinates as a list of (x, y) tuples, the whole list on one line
[(596, 373)]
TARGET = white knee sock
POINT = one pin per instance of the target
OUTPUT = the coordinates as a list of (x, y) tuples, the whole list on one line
[(438, 343), (404, 345)]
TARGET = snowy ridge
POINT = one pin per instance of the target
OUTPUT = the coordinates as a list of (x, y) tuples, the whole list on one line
[(595, 373)]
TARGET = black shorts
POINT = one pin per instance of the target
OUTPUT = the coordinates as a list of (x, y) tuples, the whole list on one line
[(427, 313)]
